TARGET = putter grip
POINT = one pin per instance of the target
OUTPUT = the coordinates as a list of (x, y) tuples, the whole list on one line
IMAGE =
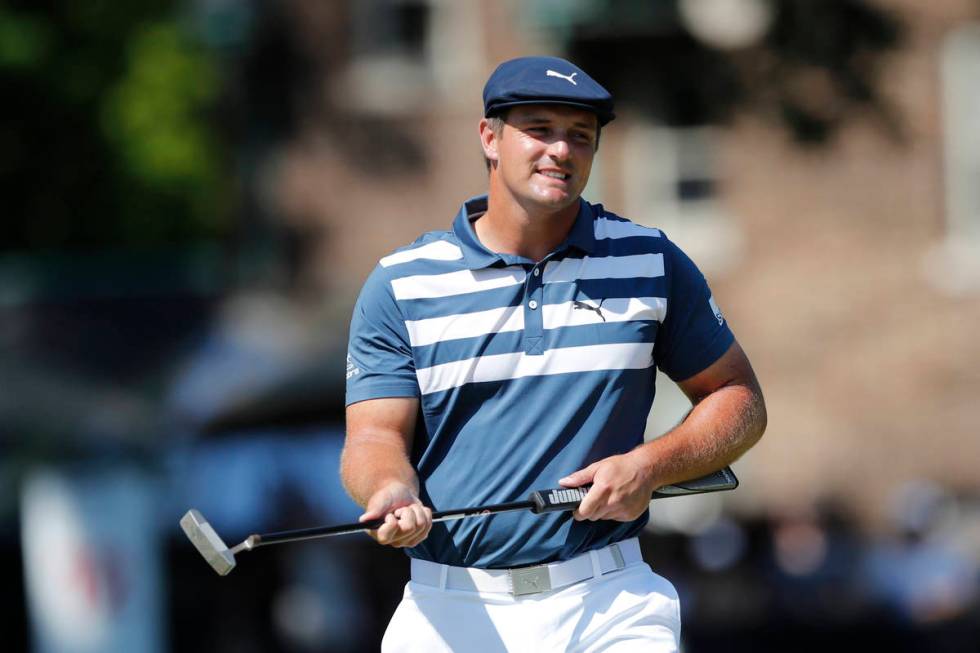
[(568, 498), (562, 498)]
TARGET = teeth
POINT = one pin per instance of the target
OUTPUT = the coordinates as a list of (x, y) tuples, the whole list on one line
[(555, 175)]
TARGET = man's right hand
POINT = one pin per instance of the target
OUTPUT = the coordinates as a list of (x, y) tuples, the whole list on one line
[(407, 521)]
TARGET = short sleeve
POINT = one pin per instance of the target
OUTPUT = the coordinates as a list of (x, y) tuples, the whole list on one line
[(379, 356), (694, 333)]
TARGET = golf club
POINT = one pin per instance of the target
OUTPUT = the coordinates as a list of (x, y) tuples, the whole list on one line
[(222, 559)]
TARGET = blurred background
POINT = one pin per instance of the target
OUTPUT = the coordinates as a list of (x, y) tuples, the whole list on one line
[(194, 191)]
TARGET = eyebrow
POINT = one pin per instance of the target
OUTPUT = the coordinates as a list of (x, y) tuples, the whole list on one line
[(532, 120)]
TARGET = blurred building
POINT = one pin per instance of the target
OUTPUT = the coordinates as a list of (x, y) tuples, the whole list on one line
[(848, 268)]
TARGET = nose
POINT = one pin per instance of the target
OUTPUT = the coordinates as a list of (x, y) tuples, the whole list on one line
[(558, 149)]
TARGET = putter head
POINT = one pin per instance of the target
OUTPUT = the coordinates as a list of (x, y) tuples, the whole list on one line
[(207, 542)]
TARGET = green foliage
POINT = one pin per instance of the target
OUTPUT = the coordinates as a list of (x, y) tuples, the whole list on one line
[(154, 114), (24, 41), (108, 130)]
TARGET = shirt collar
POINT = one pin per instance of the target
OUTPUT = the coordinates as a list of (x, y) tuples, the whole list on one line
[(476, 255), (581, 236)]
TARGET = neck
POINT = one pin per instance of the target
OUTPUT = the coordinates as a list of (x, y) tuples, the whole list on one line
[(511, 227)]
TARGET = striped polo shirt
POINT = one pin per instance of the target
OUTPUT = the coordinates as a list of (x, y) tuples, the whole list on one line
[(527, 370)]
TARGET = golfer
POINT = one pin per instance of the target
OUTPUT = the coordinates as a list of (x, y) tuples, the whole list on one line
[(518, 351)]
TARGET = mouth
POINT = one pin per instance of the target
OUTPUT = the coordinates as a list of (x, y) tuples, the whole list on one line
[(555, 174)]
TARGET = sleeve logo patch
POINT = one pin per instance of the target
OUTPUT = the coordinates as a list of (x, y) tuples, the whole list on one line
[(352, 369), (716, 310)]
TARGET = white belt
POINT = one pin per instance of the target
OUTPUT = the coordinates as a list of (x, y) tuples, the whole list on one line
[(529, 580)]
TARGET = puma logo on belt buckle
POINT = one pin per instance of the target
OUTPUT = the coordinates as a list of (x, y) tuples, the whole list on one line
[(530, 580)]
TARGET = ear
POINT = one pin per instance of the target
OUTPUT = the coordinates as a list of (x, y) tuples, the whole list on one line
[(488, 139)]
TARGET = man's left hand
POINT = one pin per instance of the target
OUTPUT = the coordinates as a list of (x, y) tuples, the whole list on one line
[(621, 488)]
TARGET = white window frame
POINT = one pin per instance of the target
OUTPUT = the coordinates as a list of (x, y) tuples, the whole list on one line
[(953, 264)]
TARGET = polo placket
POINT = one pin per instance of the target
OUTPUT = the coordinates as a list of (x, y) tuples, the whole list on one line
[(533, 308), (581, 238)]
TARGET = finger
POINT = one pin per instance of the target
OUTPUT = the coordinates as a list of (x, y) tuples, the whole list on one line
[(428, 522), (419, 516), (599, 514), (384, 501), (369, 515), (594, 501), (376, 534), (593, 516), (423, 526), (409, 530), (581, 477), (407, 520), (414, 541), (407, 525), (373, 510), (372, 533), (400, 534), (388, 531), (583, 512)]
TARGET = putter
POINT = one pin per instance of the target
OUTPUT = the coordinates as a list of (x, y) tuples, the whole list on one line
[(222, 559)]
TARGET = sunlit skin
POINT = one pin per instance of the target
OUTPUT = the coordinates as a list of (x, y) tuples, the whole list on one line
[(530, 209)]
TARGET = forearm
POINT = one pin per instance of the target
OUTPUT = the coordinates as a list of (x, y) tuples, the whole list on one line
[(716, 432), (376, 450), (377, 472), (372, 461)]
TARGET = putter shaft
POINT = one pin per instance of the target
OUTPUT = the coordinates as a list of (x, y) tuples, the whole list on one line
[(222, 559), (256, 540)]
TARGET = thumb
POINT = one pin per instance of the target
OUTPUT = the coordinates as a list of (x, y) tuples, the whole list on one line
[(369, 515), (581, 477), (376, 507)]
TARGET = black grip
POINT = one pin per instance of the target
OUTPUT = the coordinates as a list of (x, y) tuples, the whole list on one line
[(720, 481), (568, 498), (559, 498)]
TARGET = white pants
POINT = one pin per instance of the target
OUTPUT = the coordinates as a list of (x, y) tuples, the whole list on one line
[(629, 610)]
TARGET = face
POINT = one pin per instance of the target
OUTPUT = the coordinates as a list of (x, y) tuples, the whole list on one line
[(544, 154)]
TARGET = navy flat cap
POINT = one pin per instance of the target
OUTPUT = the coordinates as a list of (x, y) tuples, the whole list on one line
[(545, 80)]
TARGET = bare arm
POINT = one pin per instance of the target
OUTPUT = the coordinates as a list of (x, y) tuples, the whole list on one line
[(377, 473), (728, 418)]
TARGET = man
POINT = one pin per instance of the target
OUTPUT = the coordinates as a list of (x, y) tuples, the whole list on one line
[(517, 351)]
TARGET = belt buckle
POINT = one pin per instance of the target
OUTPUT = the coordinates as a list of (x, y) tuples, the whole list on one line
[(530, 580)]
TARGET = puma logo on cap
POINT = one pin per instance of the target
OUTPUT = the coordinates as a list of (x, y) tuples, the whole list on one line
[(567, 78)]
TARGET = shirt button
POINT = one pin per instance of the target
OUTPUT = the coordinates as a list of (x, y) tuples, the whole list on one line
[(537, 272), (532, 304)]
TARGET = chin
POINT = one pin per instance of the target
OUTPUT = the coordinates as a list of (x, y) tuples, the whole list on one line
[(552, 194), (550, 200), (557, 202), (537, 204)]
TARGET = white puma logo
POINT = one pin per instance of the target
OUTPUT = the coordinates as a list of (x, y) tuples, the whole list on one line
[(567, 78)]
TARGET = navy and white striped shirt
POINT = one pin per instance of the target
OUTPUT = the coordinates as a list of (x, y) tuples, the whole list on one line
[(527, 371)]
